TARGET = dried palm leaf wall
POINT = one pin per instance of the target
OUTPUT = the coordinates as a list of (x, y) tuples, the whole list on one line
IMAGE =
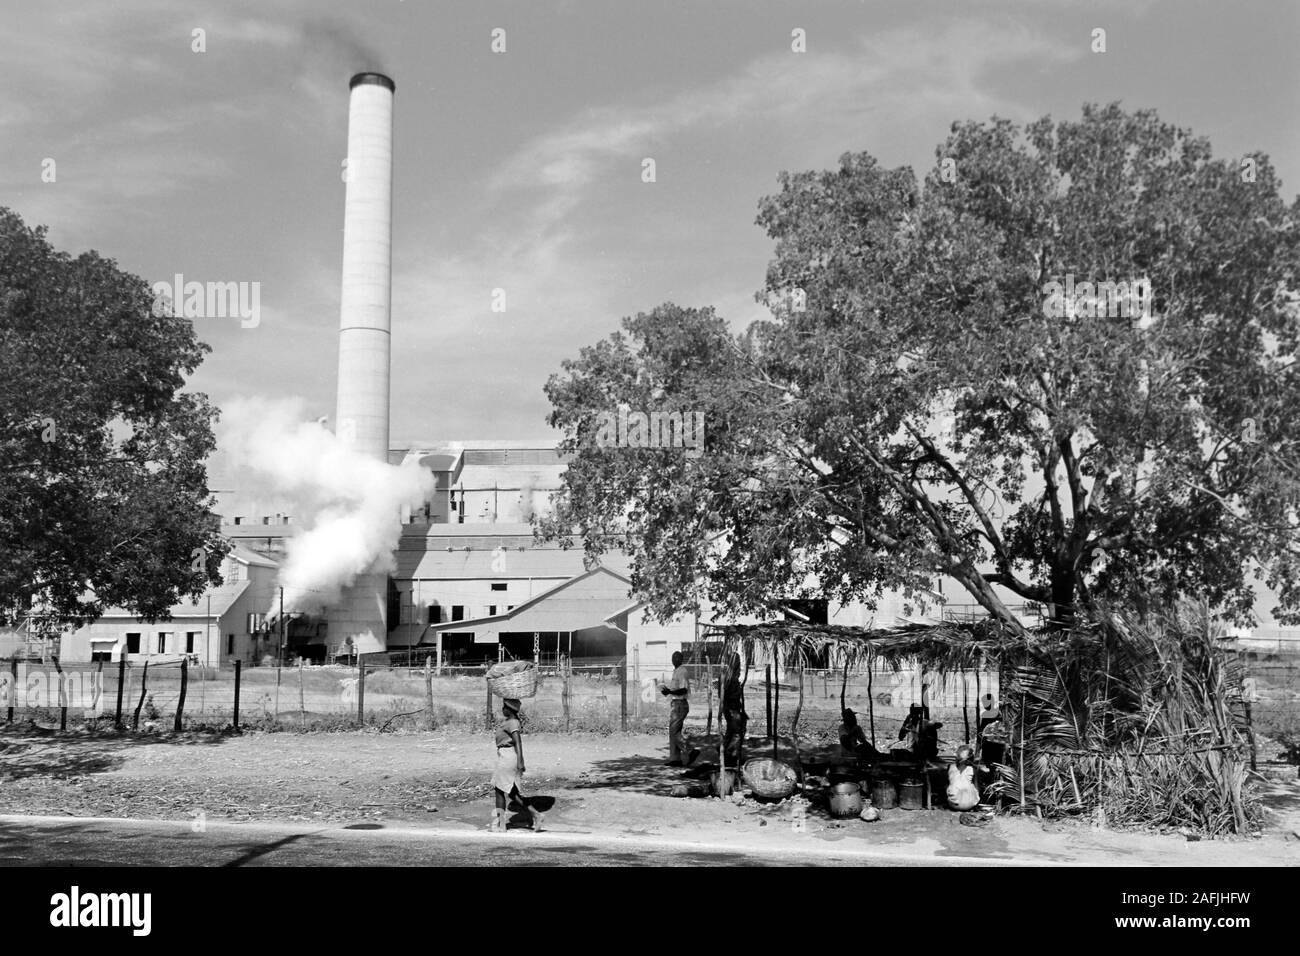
[(1130, 718)]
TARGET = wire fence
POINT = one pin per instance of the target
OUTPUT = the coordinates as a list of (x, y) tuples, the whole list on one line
[(601, 695)]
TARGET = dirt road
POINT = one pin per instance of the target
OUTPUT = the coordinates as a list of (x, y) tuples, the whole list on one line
[(608, 787)]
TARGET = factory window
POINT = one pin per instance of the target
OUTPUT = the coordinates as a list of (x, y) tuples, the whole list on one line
[(190, 641), (492, 609), (458, 612), (230, 643), (435, 613), (162, 642), (266, 519), (510, 607), (133, 643), (498, 585), (288, 519)]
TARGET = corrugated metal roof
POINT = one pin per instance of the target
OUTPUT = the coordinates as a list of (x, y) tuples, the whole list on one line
[(478, 563), (520, 613)]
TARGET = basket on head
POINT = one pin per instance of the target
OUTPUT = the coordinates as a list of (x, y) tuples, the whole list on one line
[(769, 779), (513, 679)]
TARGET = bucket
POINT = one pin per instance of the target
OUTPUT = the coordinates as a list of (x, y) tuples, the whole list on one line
[(909, 794), (883, 795)]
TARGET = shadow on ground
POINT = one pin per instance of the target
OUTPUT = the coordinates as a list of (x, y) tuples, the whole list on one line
[(29, 751)]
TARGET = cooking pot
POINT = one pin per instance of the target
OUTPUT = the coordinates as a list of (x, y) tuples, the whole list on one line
[(846, 800)]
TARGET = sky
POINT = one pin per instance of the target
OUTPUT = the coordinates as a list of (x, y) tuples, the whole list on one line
[(522, 170)]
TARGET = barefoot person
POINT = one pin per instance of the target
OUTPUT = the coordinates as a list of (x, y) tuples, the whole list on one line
[(509, 770)]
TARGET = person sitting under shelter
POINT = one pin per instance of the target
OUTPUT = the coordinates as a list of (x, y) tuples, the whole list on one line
[(854, 741), (920, 733)]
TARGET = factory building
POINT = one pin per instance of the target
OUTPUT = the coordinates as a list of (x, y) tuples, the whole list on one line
[(225, 624)]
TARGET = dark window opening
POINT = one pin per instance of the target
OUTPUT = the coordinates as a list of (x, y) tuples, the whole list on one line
[(189, 641), (492, 609), (435, 613), (133, 643), (498, 585), (458, 612), (230, 643)]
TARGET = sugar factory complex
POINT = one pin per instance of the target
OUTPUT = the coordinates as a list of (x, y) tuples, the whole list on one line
[(469, 582)]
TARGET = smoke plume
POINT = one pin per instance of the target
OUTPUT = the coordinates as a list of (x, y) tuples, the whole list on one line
[(347, 506)]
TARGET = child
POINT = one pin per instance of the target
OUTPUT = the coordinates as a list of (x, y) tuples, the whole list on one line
[(962, 794)]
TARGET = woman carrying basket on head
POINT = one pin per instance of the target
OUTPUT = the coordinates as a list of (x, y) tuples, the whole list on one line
[(509, 770)]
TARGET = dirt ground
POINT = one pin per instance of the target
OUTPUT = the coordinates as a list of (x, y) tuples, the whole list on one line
[(610, 784)]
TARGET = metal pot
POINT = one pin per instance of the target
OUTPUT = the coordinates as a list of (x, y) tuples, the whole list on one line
[(846, 800)]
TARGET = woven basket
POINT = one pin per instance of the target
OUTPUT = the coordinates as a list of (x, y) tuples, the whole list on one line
[(770, 779), (513, 679)]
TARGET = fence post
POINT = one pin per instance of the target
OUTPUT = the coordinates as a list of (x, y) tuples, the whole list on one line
[(487, 709), (302, 702), (180, 704), (237, 663), (144, 686), (636, 679), (428, 687), (623, 692), (565, 692), (361, 693), (13, 690), (121, 687)]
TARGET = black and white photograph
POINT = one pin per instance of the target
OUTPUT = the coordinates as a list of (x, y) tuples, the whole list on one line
[(825, 435)]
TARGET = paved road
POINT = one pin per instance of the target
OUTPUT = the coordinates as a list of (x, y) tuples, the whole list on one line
[(56, 841)]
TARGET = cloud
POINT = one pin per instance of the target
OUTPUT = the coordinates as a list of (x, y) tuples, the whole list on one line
[(933, 64)]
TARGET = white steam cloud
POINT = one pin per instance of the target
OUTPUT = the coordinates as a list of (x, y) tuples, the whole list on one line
[(348, 506)]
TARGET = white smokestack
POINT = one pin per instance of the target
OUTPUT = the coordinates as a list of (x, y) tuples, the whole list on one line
[(364, 317), (364, 327)]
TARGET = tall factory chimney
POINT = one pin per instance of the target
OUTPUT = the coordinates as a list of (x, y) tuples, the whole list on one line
[(364, 335)]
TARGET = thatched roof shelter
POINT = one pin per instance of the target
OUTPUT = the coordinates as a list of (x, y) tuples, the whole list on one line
[(944, 647)]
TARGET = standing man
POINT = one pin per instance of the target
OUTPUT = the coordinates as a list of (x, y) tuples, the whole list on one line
[(678, 689), (731, 690)]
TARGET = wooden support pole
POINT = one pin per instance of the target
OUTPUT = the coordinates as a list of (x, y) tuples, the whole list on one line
[(13, 691), (180, 703), (798, 710), (487, 710), (237, 677), (776, 710), (361, 693), (144, 683), (965, 706), (302, 697), (844, 685), (767, 684), (871, 702)]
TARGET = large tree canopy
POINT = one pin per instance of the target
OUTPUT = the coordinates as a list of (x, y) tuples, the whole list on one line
[(924, 400), (103, 492)]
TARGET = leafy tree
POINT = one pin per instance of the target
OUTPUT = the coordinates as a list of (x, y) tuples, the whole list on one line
[(103, 492), (925, 401)]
